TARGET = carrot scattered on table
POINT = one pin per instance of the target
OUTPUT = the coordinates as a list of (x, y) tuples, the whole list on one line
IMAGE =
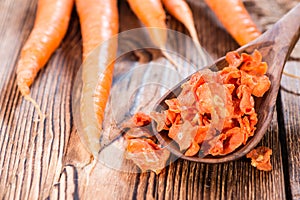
[(235, 18), (50, 27), (99, 22)]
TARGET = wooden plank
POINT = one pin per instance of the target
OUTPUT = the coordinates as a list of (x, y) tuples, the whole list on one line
[(32, 153), (290, 125), (188, 180), (288, 103)]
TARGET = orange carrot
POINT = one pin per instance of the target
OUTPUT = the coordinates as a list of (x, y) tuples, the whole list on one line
[(99, 22), (235, 18), (237, 21), (152, 15), (50, 26), (182, 12)]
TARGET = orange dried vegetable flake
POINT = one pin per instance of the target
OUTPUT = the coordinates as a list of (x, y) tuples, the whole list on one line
[(234, 139), (253, 63), (146, 154), (171, 117), (173, 105), (201, 134), (141, 146), (138, 132), (246, 100), (230, 75), (141, 119), (160, 118), (233, 58), (260, 158), (193, 149), (137, 120), (137, 145), (257, 84), (183, 134)]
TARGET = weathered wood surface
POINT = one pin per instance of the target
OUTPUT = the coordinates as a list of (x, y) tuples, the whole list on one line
[(44, 160)]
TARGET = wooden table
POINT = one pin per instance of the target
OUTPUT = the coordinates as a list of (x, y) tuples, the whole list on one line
[(44, 160)]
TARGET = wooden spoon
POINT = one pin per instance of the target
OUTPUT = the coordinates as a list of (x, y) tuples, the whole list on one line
[(275, 46)]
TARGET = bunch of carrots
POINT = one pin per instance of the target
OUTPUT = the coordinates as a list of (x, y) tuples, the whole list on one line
[(99, 22)]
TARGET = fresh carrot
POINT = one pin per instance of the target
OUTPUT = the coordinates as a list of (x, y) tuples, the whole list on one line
[(152, 15), (235, 18), (99, 22), (50, 26), (182, 12), (237, 21)]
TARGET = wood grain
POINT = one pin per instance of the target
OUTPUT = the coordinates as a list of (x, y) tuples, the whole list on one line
[(45, 160), (290, 125), (32, 153)]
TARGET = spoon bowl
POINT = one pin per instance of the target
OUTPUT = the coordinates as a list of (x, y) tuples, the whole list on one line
[(275, 45)]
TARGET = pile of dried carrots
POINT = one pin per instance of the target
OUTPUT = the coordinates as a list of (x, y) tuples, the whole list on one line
[(216, 118), (214, 113), (99, 22)]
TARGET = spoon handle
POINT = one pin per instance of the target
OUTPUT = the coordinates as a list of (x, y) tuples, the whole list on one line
[(277, 43)]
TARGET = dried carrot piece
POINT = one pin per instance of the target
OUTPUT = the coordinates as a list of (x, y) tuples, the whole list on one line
[(260, 158), (173, 105), (172, 117), (138, 132), (234, 139), (146, 154), (183, 134), (246, 100), (193, 149), (233, 58), (253, 64), (141, 119), (160, 119), (201, 133)]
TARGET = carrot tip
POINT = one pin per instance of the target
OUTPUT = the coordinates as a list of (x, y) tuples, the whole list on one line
[(41, 115), (172, 61)]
